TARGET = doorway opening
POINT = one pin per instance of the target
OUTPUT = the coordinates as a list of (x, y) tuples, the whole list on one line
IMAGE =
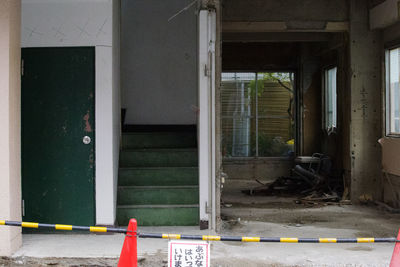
[(158, 181), (281, 104)]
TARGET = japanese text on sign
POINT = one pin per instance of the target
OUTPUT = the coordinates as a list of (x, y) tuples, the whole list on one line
[(188, 254)]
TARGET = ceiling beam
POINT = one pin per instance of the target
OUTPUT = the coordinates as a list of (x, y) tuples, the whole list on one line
[(252, 37), (283, 26)]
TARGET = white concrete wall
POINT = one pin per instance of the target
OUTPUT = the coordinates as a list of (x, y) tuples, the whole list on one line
[(10, 121), (158, 61), (60, 23), (105, 176), (116, 99)]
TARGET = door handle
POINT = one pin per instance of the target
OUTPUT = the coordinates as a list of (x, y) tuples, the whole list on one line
[(86, 140)]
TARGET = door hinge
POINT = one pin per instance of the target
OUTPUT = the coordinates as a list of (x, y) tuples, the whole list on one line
[(206, 70), (208, 208), (22, 67), (23, 207)]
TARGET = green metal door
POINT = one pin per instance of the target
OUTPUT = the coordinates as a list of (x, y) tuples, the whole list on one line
[(58, 135)]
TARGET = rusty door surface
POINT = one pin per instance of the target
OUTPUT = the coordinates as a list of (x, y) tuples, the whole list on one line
[(58, 135)]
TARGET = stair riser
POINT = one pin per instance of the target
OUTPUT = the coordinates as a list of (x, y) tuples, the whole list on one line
[(159, 177), (158, 159), (170, 196), (160, 140), (159, 216)]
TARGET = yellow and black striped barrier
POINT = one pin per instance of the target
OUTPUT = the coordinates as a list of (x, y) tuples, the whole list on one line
[(269, 239), (65, 227), (202, 237)]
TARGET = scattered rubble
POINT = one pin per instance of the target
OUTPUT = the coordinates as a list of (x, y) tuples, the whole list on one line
[(312, 180)]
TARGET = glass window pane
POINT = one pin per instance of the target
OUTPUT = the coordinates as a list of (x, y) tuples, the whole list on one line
[(276, 114), (394, 77), (275, 137), (267, 104), (330, 98), (237, 107), (238, 137), (275, 97)]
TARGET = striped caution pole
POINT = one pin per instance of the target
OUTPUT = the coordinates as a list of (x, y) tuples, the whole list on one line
[(128, 255), (95, 229), (202, 237), (269, 239)]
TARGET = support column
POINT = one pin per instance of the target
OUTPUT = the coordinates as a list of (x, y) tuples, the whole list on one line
[(10, 124), (218, 130), (365, 84)]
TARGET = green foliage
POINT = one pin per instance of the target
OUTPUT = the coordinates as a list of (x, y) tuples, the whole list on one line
[(260, 87), (271, 146), (279, 77)]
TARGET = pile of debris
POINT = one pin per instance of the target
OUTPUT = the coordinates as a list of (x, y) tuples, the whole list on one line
[(312, 181)]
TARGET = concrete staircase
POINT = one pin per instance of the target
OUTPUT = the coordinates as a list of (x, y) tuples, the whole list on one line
[(158, 179)]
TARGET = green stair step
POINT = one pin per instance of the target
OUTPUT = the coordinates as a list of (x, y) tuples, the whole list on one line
[(157, 195), (158, 179), (158, 176), (160, 215), (159, 140), (159, 158)]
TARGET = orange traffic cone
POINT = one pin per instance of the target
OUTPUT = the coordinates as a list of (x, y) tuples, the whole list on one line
[(395, 262), (128, 257)]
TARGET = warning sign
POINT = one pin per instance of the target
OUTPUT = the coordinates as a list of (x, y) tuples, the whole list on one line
[(188, 254)]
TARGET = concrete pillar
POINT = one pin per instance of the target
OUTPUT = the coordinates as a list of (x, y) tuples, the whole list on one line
[(10, 124), (218, 131), (366, 124)]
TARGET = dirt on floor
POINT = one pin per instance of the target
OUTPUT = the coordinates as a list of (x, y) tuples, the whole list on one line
[(153, 261), (36, 262), (238, 207)]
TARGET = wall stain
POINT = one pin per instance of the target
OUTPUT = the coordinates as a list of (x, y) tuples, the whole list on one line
[(364, 102), (101, 28), (33, 31), (88, 127), (58, 32), (83, 29)]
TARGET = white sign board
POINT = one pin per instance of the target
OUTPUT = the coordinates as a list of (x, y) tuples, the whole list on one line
[(188, 254)]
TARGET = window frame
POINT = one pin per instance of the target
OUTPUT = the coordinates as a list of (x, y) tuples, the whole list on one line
[(387, 104), (325, 127)]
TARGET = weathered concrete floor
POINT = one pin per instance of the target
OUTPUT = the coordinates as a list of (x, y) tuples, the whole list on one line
[(259, 216), (331, 221)]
